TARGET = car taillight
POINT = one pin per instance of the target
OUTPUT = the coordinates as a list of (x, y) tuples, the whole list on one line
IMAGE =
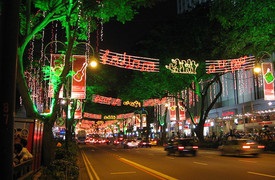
[(180, 147), (195, 147), (261, 147), (246, 147)]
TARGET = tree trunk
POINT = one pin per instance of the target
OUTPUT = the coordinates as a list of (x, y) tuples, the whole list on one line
[(48, 144), (199, 132)]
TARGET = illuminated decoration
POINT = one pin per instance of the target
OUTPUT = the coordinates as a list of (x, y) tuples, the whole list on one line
[(106, 100), (57, 65), (92, 116), (78, 110), (267, 69), (109, 117), (229, 65), (78, 87), (183, 66), (124, 116), (129, 62), (132, 104), (79, 78), (153, 102)]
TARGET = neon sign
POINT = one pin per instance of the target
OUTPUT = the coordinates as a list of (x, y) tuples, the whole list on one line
[(106, 100), (132, 104), (128, 61), (92, 116), (183, 66), (224, 66)]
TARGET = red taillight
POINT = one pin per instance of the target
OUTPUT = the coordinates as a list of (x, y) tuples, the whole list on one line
[(195, 147), (261, 147), (180, 147)]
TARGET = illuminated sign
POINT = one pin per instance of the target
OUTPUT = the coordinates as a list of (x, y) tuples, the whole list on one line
[(229, 65), (109, 117), (106, 100), (92, 116), (153, 102), (125, 116), (128, 61), (132, 104), (267, 69), (183, 66)]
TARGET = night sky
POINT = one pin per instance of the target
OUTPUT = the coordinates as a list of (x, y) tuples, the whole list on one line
[(118, 37)]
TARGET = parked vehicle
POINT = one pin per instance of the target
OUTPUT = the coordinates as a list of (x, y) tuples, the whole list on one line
[(182, 146), (241, 147)]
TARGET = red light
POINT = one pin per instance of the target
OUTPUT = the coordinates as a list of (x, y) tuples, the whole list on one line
[(180, 148), (261, 147), (195, 147)]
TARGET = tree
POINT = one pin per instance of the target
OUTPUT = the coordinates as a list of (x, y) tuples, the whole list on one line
[(183, 37), (247, 27), (74, 16)]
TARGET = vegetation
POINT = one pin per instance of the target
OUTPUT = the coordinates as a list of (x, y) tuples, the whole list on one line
[(74, 17)]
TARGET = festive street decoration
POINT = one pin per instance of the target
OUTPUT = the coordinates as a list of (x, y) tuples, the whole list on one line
[(79, 77), (106, 100), (183, 66), (153, 102), (92, 116), (267, 69), (125, 116), (229, 65), (129, 62), (132, 103)]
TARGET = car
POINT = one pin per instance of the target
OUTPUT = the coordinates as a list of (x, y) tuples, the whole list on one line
[(181, 147), (154, 142), (144, 143), (130, 143), (241, 147)]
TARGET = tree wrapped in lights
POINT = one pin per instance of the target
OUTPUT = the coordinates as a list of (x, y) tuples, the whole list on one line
[(74, 17)]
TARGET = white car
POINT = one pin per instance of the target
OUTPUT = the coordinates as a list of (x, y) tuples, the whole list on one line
[(130, 144)]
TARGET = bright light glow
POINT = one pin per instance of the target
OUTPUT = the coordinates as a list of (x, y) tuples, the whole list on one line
[(93, 64), (257, 68)]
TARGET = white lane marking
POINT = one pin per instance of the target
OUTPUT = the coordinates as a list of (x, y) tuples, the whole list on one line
[(200, 163), (132, 172), (261, 174)]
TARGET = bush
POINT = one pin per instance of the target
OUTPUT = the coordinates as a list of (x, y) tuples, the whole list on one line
[(65, 164)]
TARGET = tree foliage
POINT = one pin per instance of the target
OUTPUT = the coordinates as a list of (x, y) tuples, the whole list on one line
[(74, 17), (248, 26)]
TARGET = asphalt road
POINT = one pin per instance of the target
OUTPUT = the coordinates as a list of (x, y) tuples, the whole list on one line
[(113, 162)]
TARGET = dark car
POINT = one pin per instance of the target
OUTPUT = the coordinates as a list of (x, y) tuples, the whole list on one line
[(144, 143), (241, 147), (183, 146)]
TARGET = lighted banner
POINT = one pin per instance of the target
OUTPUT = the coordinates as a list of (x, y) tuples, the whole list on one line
[(128, 61), (125, 116), (106, 100), (267, 71), (172, 111), (153, 102), (56, 64), (183, 66), (79, 78), (229, 65), (78, 110), (92, 116)]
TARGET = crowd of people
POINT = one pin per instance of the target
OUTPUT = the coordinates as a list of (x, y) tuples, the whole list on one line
[(21, 153)]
